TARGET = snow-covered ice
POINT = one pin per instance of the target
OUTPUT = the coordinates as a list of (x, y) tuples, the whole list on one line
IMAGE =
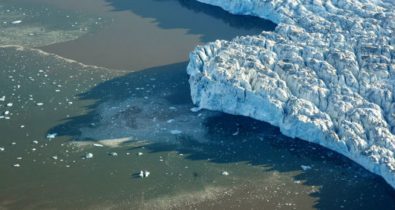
[(175, 132), (325, 75), (113, 154), (88, 155), (225, 173), (98, 145), (16, 21), (51, 136), (195, 109), (305, 167), (144, 174)]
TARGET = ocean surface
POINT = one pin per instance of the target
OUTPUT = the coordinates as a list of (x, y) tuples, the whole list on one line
[(108, 78)]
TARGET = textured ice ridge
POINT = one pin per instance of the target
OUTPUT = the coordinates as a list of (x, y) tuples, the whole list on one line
[(325, 75)]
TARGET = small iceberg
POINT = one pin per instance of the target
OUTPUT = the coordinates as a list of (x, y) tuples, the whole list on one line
[(88, 155), (305, 167), (144, 174), (16, 22), (225, 173), (51, 136), (176, 132)]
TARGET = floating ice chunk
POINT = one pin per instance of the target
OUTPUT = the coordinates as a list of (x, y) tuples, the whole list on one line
[(2, 98), (98, 145), (2, 149), (34, 149), (89, 155), (17, 165), (195, 109), (10, 104), (55, 157), (170, 121), (305, 168), (35, 142), (7, 112), (113, 154), (13, 143), (19, 158), (175, 132), (51, 135), (225, 173), (139, 153), (16, 22), (39, 104), (144, 174), (236, 133), (22, 126)]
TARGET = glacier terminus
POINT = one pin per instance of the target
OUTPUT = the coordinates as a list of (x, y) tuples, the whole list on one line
[(325, 75)]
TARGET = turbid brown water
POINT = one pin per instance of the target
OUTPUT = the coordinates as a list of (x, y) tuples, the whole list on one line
[(135, 101)]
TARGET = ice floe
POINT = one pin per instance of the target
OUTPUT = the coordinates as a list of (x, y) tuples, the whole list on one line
[(88, 155), (51, 136), (16, 22)]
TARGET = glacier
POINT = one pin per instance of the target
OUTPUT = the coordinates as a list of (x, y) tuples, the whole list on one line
[(325, 75)]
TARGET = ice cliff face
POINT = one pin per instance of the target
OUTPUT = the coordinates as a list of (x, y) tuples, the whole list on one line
[(325, 75)]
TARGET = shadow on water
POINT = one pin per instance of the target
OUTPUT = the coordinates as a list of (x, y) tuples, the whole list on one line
[(171, 83), (198, 25), (343, 183), (257, 143)]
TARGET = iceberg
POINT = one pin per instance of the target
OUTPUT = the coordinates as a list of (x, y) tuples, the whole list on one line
[(325, 75)]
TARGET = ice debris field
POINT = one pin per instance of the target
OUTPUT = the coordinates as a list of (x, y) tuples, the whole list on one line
[(325, 75)]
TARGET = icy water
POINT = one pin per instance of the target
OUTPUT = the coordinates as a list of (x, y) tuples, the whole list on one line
[(108, 78)]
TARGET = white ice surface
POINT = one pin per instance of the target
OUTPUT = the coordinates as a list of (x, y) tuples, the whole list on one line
[(325, 75)]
